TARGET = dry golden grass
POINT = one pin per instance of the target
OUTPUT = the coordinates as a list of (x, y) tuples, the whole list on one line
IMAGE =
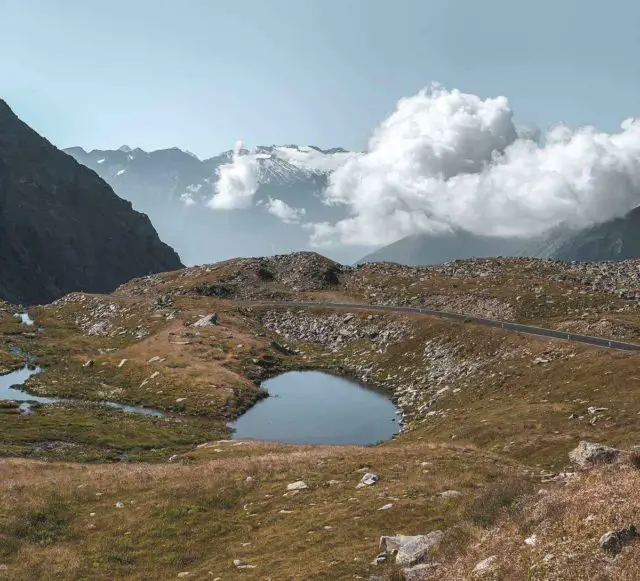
[(493, 433), (198, 518), (567, 522)]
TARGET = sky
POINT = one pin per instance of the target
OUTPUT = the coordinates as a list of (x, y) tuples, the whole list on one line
[(200, 74)]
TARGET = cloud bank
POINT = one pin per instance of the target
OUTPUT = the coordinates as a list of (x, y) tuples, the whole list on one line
[(445, 160), (237, 182)]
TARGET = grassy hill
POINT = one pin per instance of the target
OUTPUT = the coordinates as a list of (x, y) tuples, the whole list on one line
[(94, 493)]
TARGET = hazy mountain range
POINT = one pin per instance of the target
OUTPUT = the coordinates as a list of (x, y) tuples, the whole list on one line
[(175, 189)]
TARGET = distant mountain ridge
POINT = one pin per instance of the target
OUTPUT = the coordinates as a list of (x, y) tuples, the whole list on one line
[(617, 239), (173, 187), (62, 228), (423, 249)]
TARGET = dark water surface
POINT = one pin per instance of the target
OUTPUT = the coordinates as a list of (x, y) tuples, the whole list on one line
[(311, 407)]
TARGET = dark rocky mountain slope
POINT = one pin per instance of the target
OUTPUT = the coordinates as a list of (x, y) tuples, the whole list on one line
[(62, 228), (617, 239)]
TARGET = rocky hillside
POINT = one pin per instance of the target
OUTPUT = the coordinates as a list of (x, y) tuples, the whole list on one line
[(63, 228), (174, 187), (497, 473)]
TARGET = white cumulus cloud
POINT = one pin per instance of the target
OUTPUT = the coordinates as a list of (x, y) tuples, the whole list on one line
[(237, 182), (446, 159), (284, 211)]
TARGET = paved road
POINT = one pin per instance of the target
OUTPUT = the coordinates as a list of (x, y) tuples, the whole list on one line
[(528, 329)]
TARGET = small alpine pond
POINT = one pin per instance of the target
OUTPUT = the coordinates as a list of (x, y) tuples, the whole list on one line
[(311, 407)]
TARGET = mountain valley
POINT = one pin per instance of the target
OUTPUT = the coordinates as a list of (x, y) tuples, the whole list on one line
[(487, 413)]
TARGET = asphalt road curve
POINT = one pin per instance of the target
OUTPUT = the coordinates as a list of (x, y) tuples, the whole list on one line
[(528, 329)]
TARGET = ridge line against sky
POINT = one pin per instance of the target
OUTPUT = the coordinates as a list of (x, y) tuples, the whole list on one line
[(200, 75)]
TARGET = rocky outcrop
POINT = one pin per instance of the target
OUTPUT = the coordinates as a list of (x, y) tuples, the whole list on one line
[(409, 550), (589, 454), (614, 541), (63, 229)]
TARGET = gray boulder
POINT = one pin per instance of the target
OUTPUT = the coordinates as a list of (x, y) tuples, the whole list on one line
[(207, 321), (410, 550), (614, 541), (589, 454)]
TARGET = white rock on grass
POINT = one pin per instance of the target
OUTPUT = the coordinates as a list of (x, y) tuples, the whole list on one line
[(369, 479), (207, 321), (242, 565), (485, 566), (410, 549), (449, 494), (299, 485), (532, 540)]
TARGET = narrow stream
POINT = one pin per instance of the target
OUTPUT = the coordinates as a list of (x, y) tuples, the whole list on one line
[(10, 391), (25, 318)]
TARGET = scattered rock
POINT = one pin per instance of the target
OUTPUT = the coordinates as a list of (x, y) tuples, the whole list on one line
[(485, 566), (207, 321), (299, 485), (589, 454), (122, 362), (369, 479), (88, 363), (239, 564), (532, 540), (450, 494), (386, 507), (614, 541), (119, 505), (410, 549)]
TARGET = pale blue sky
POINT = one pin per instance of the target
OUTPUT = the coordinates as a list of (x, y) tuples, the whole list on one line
[(199, 74)]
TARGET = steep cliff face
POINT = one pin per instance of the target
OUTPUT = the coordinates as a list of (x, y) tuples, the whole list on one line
[(62, 228)]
